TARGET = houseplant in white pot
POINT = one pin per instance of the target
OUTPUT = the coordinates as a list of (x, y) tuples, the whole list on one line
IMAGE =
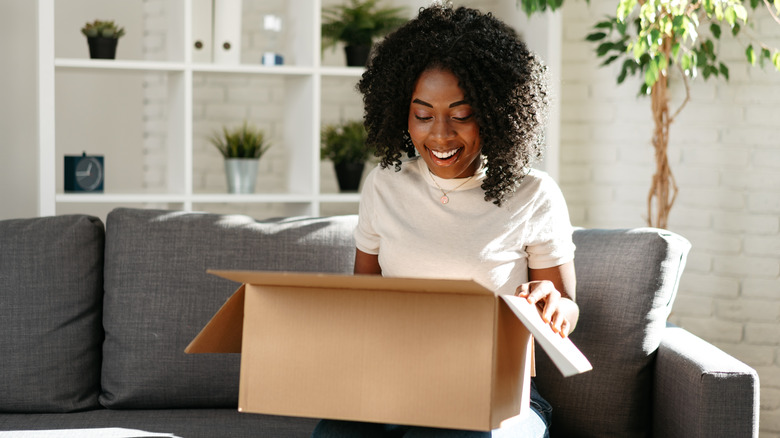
[(242, 148), (345, 145), (357, 24), (102, 38)]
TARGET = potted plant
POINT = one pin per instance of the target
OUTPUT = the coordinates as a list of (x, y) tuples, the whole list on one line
[(345, 145), (242, 148), (357, 24), (102, 37)]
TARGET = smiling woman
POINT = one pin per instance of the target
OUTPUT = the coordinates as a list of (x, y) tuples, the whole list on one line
[(461, 96)]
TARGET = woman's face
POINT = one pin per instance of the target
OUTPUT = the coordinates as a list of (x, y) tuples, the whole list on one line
[(442, 126)]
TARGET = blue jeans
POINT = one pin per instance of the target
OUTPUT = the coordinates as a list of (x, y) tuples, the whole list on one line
[(534, 426)]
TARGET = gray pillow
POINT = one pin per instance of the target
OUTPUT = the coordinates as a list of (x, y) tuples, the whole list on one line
[(626, 283), (158, 296), (51, 289)]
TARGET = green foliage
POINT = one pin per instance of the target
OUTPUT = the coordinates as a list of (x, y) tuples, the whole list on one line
[(244, 142), (345, 143), (650, 36), (358, 23), (665, 33), (100, 28)]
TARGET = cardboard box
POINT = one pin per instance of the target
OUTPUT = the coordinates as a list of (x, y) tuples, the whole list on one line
[(439, 353)]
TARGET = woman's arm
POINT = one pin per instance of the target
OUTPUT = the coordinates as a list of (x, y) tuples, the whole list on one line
[(367, 263), (556, 288)]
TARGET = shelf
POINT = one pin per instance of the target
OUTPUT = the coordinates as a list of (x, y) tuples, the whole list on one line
[(164, 198), (115, 64), (166, 100)]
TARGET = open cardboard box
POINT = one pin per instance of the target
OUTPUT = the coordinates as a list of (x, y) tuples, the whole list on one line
[(438, 353)]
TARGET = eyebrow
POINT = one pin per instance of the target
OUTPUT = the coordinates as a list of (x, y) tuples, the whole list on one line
[(452, 105)]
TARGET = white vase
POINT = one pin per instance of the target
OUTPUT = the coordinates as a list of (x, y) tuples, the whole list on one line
[(241, 174)]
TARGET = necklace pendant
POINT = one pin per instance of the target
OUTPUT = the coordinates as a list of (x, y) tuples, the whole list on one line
[(445, 199)]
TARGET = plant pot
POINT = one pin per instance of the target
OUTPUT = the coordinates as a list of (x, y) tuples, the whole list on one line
[(357, 56), (102, 48), (241, 174), (349, 175)]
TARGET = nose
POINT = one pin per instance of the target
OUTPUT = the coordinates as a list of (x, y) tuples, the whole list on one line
[(442, 129)]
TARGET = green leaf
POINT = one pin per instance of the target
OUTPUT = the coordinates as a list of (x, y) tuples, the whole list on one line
[(740, 11), (652, 73), (610, 60), (624, 8), (686, 62), (603, 49), (724, 71), (715, 30), (730, 15), (596, 36), (735, 30), (751, 56), (621, 27), (606, 24), (776, 60), (754, 3), (675, 50)]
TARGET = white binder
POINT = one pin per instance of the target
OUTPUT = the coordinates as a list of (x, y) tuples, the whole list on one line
[(202, 30), (227, 31)]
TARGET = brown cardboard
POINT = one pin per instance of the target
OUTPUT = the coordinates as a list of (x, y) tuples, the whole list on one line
[(439, 353)]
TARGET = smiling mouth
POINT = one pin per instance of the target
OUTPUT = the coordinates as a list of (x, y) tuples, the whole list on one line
[(444, 155)]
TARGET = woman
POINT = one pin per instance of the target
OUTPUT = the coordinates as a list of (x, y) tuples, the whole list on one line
[(461, 96)]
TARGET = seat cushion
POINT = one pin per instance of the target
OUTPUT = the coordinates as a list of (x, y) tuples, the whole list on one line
[(626, 284), (158, 296), (51, 289)]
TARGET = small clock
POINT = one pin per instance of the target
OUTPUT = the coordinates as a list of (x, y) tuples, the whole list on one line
[(84, 173)]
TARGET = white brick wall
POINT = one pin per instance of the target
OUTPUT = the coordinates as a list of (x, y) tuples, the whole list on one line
[(725, 154)]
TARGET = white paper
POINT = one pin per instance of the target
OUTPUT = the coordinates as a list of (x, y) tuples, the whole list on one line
[(562, 351), (227, 31), (110, 432), (202, 30)]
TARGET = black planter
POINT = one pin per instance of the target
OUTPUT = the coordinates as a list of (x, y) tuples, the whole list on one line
[(357, 56), (349, 175), (102, 48)]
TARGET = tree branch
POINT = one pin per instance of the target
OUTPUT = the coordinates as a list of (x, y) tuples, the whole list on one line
[(769, 8)]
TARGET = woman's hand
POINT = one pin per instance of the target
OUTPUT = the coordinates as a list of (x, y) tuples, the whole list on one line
[(552, 290)]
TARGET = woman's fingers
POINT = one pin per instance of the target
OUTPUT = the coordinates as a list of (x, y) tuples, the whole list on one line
[(544, 294)]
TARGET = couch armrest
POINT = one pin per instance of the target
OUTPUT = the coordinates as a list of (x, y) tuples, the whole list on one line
[(701, 391)]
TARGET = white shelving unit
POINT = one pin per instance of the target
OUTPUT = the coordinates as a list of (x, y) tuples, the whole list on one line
[(301, 112)]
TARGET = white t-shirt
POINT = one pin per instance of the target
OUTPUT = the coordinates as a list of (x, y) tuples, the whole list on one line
[(402, 219)]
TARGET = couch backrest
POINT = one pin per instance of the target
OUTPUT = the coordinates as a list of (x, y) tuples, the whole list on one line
[(626, 284), (158, 295), (51, 289)]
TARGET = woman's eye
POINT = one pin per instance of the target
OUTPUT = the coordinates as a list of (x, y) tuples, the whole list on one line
[(422, 118), (463, 118)]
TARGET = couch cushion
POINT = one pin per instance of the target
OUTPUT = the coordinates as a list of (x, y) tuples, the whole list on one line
[(51, 288), (626, 283), (158, 296)]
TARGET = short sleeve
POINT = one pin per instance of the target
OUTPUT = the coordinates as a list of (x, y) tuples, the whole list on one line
[(549, 241), (366, 237)]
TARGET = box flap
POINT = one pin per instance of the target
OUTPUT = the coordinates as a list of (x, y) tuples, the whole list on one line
[(342, 281), (562, 351), (223, 334)]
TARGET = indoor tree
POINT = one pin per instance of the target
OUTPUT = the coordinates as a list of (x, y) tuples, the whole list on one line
[(651, 37)]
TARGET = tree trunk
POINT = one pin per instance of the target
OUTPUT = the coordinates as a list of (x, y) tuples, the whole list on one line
[(663, 189)]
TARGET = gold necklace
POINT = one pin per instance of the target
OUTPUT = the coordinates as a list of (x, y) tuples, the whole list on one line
[(444, 199)]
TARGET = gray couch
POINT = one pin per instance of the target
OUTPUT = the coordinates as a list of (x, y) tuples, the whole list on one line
[(95, 320)]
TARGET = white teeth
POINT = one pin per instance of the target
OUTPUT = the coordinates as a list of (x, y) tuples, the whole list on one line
[(444, 155)]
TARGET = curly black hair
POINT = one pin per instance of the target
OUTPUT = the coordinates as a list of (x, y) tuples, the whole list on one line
[(505, 83)]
